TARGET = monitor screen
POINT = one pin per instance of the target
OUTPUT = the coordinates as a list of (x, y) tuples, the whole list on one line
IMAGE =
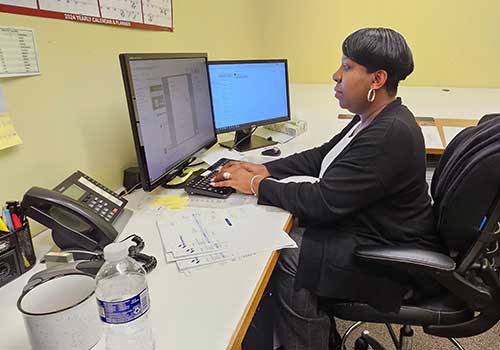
[(170, 109), (249, 93)]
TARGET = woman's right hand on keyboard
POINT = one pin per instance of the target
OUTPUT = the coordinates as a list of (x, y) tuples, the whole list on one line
[(255, 169)]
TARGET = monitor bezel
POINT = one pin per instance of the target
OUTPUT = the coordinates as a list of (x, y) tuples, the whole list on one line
[(125, 59), (260, 122)]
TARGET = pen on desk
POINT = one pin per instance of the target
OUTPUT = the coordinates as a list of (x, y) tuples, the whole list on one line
[(228, 222)]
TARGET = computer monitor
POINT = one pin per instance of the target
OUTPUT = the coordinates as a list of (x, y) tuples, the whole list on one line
[(246, 94), (169, 103)]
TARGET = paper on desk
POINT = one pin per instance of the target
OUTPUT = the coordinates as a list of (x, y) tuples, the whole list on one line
[(203, 261), (8, 135), (187, 267), (431, 136), (211, 157), (236, 199), (196, 231), (202, 236), (450, 132)]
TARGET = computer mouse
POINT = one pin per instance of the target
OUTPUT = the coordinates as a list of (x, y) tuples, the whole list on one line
[(273, 152)]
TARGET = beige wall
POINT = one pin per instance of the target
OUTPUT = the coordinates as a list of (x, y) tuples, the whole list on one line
[(454, 42), (74, 115)]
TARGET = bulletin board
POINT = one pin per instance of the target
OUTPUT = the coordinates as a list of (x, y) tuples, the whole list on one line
[(145, 14)]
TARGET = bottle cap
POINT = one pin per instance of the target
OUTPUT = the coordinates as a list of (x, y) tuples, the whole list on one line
[(116, 251)]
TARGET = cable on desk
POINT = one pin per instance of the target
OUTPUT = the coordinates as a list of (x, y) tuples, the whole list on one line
[(132, 189), (148, 262), (196, 164)]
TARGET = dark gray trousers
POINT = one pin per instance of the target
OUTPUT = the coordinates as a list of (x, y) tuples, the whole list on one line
[(300, 324)]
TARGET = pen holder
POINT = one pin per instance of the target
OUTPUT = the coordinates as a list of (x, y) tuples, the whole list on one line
[(16, 254)]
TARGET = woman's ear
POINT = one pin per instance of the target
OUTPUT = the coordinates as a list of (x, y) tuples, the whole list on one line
[(379, 79)]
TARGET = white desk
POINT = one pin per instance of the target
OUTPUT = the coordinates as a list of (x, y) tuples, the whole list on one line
[(203, 311), (212, 308)]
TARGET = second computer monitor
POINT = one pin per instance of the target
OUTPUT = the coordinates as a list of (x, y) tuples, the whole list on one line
[(246, 94)]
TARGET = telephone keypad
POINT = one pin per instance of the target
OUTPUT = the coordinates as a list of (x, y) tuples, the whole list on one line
[(103, 210), (101, 207)]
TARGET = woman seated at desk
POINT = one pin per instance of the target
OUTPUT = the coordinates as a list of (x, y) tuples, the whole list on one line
[(371, 190)]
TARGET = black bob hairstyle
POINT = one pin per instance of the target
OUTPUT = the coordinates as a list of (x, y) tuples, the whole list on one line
[(381, 48)]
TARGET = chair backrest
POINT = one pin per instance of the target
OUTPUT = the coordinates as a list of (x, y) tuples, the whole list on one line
[(487, 117), (466, 185), (466, 192)]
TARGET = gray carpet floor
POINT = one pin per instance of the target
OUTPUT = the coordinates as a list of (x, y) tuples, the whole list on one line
[(489, 340)]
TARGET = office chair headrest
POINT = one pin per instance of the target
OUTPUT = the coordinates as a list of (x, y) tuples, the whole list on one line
[(466, 184)]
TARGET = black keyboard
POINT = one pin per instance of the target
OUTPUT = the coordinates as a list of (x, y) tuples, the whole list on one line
[(201, 184)]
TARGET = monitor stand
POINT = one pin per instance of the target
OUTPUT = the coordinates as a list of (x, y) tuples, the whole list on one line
[(245, 141)]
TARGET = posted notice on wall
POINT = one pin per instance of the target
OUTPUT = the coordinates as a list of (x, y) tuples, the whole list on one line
[(18, 55), (145, 14)]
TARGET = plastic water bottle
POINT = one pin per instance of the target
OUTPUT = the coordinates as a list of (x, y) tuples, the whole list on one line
[(123, 301)]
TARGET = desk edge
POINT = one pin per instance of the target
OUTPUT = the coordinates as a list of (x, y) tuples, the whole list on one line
[(239, 334)]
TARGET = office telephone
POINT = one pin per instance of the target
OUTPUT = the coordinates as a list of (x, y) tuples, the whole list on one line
[(80, 211), (77, 226), (94, 195)]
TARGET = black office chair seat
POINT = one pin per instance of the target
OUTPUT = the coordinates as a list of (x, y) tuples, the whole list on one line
[(441, 310)]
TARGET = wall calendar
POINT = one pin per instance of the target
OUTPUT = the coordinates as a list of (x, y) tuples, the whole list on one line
[(145, 14)]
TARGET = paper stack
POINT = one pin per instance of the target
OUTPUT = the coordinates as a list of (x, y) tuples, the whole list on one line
[(199, 237)]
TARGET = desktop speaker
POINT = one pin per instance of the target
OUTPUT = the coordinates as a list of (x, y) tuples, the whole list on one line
[(131, 177)]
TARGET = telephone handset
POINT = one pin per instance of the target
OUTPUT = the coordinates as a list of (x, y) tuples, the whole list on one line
[(74, 225)]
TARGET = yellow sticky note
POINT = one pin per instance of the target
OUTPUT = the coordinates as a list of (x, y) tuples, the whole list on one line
[(171, 202), (8, 135), (181, 179)]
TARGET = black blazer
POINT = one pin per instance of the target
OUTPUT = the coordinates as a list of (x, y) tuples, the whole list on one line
[(374, 192)]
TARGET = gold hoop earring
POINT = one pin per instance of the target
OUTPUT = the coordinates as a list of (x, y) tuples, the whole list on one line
[(371, 95)]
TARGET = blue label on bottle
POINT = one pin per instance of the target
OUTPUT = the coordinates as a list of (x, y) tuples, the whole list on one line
[(124, 311)]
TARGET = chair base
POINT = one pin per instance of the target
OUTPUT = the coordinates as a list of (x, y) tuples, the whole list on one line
[(403, 342)]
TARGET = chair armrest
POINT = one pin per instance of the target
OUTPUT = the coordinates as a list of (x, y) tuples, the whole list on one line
[(406, 258)]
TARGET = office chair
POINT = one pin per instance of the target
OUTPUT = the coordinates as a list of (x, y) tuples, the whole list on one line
[(487, 117), (466, 192)]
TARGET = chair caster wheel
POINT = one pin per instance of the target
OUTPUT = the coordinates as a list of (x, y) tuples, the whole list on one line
[(360, 344)]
